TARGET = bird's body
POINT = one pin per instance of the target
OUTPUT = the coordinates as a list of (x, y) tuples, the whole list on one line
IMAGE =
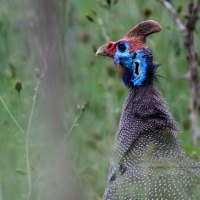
[(148, 161)]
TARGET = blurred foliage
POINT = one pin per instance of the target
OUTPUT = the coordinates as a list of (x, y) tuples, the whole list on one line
[(95, 83)]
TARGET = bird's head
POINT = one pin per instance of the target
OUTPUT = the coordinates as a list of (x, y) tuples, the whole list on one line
[(132, 54)]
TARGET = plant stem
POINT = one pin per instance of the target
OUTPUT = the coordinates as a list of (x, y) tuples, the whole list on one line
[(104, 32), (27, 135), (11, 115), (27, 141), (73, 124)]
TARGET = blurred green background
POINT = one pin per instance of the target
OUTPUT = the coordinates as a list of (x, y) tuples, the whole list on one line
[(93, 90)]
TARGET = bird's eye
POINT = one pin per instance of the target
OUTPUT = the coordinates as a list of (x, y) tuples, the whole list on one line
[(122, 47)]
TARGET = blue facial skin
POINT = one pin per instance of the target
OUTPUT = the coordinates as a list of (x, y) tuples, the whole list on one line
[(135, 64)]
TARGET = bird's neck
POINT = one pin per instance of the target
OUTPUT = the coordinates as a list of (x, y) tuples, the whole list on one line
[(145, 119), (145, 110)]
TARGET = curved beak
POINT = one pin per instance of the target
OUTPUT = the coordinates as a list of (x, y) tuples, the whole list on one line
[(103, 50)]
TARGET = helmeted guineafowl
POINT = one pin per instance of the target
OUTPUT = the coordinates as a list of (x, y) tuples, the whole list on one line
[(148, 162)]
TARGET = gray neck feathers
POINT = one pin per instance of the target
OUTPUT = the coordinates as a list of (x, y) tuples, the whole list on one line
[(144, 112), (146, 130)]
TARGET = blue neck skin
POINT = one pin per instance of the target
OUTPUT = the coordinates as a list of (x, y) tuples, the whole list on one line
[(136, 66)]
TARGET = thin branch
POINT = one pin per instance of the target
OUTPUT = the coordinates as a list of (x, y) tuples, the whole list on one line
[(187, 29), (11, 115), (168, 6), (27, 141), (74, 124)]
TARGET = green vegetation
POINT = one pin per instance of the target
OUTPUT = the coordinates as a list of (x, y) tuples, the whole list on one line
[(94, 85)]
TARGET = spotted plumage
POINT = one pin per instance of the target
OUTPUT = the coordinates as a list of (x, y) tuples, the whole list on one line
[(148, 161)]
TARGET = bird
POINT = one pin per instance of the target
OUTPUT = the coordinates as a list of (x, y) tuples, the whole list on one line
[(148, 161)]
